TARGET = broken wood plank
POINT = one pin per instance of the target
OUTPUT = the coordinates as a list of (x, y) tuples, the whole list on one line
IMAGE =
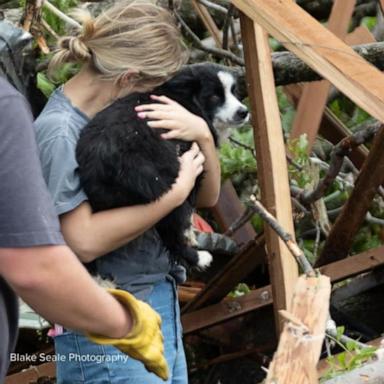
[(353, 214), (271, 159), (239, 267), (228, 209), (226, 309), (321, 50), (314, 95), (300, 343)]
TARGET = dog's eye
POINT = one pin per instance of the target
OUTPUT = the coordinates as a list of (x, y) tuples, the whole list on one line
[(215, 99)]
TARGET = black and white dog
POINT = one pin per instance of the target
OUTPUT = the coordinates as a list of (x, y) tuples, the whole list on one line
[(123, 162)]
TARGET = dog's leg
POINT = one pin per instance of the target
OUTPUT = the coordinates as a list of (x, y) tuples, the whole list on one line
[(172, 230)]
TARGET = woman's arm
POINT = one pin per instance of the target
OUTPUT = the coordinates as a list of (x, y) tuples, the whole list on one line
[(91, 235), (184, 125)]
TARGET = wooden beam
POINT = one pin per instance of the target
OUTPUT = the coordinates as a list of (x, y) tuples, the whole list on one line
[(314, 95), (239, 267), (300, 343), (228, 209), (271, 159), (226, 310), (208, 21), (353, 214), (354, 265), (321, 50), (331, 128), (337, 271)]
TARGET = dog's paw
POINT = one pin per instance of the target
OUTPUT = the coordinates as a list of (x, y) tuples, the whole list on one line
[(205, 259)]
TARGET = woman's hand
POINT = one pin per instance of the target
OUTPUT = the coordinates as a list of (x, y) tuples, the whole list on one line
[(191, 165), (169, 114)]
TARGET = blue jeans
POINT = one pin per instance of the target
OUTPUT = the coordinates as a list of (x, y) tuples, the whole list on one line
[(80, 361)]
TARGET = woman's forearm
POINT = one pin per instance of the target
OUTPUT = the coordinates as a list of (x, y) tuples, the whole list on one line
[(210, 187), (91, 235)]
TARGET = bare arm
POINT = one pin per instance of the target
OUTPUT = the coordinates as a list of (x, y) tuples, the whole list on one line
[(210, 186), (91, 235), (41, 276)]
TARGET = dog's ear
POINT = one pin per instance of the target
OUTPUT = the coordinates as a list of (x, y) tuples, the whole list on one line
[(186, 80)]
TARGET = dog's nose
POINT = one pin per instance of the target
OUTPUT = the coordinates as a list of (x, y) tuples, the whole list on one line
[(241, 113)]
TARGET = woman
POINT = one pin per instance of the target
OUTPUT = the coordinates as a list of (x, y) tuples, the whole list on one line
[(134, 46)]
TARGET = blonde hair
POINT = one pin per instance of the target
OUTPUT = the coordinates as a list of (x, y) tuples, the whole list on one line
[(136, 36)]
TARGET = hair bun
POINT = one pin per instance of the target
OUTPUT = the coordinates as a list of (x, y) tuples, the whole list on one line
[(76, 47)]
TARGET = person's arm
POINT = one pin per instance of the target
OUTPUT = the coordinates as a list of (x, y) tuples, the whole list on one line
[(55, 284), (91, 235), (184, 125), (33, 258)]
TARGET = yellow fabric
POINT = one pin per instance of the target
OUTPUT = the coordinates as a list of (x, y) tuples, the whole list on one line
[(145, 341)]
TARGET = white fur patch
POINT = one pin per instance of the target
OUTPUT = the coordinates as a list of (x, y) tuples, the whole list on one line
[(205, 259), (225, 117), (104, 283)]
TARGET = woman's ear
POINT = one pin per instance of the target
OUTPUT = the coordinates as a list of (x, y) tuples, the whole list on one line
[(128, 78)]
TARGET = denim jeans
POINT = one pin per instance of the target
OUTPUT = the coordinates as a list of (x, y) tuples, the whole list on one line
[(80, 361)]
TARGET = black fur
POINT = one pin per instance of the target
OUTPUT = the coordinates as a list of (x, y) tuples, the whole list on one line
[(123, 162)]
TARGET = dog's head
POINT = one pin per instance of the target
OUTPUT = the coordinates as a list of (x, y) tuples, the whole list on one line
[(215, 89)]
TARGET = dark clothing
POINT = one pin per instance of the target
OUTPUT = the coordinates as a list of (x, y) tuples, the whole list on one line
[(27, 216)]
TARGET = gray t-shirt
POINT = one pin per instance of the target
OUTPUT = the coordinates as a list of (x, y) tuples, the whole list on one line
[(142, 262), (27, 217)]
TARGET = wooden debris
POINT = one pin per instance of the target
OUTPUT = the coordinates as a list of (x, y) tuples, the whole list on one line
[(271, 159), (314, 96), (354, 211), (321, 50), (235, 271), (208, 21), (226, 310), (300, 343)]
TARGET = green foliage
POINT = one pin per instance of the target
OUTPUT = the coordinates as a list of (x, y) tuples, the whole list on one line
[(369, 22), (240, 290), (298, 148), (55, 23), (60, 76), (353, 357), (287, 111), (236, 160)]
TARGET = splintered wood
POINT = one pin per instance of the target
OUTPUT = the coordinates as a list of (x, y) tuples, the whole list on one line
[(300, 343), (321, 50)]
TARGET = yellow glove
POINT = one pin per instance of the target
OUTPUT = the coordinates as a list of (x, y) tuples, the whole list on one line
[(145, 341)]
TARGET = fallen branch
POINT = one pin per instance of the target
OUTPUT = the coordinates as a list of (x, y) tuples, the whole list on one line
[(307, 268), (61, 15), (217, 52), (285, 236), (338, 153)]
